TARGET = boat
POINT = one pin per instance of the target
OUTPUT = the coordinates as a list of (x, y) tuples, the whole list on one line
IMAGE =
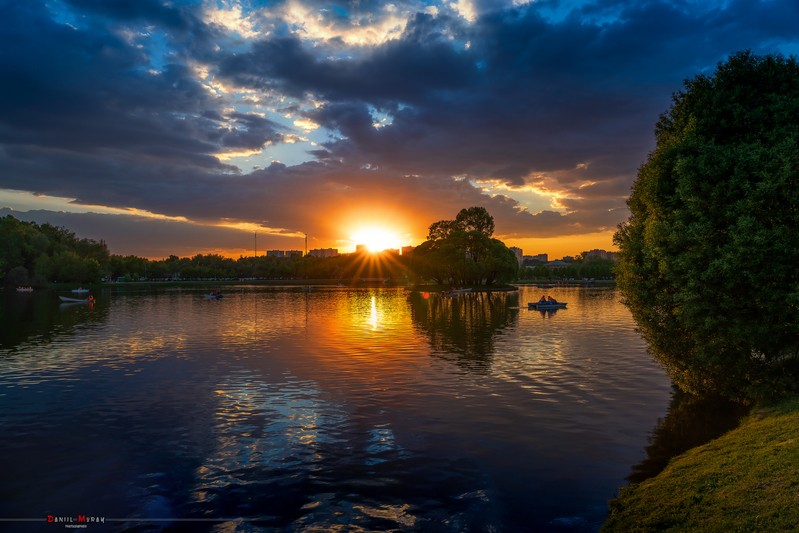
[(455, 292), (547, 305), (67, 299), (80, 290), (24, 289), (212, 296)]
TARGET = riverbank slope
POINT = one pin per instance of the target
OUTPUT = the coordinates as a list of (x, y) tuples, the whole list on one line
[(746, 480)]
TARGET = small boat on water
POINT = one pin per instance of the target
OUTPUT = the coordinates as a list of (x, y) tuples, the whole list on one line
[(80, 290), (546, 305), (24, 289), (455, 292), (68, 300), (213, 295)]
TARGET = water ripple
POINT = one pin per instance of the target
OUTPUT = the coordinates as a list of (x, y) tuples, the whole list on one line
[(352, 410)]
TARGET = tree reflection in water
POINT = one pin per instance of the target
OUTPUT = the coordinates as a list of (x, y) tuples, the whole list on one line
[(690, 422), (38, 316), (464, 325)]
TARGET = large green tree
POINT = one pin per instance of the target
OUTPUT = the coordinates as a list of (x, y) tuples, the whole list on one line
[(463, 252), (709, 259)]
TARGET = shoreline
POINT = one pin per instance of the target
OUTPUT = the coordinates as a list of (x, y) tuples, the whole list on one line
[(744, 480)]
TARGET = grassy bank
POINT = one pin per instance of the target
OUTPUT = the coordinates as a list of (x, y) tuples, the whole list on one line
[(746, 480)]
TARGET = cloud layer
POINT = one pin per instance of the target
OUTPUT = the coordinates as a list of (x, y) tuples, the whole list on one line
[(539, 111)]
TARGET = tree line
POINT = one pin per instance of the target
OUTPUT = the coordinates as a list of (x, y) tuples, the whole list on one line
[(581, 267), (39, 254), (459, 252)]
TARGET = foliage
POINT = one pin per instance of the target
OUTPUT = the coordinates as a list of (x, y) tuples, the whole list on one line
[(581, 267), (462, 252), (743, 481), (36, 254), (708, 257)]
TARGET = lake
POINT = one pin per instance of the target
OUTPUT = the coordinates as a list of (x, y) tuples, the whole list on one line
[(329, 409)]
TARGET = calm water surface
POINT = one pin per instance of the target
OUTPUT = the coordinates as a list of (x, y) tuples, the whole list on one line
[(334, 409)]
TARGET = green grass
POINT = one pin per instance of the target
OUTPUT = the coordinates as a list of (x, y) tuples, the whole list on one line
[(746, 480)]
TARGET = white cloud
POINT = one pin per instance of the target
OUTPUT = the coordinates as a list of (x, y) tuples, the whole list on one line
[(306, 124), (368, 30), (232, 18), (238, 154), (465, 8)]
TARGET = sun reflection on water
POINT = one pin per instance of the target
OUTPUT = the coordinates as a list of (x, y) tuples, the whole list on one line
[(373, 318)]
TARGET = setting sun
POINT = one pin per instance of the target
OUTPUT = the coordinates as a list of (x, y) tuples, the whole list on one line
[(376, 239)]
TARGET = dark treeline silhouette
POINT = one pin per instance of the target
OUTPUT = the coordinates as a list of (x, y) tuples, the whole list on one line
[(34, 254), (580, 267), (40, 254)]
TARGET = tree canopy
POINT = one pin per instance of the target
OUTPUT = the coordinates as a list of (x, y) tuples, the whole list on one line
[(462, 252), (709, 255), (35, 254)]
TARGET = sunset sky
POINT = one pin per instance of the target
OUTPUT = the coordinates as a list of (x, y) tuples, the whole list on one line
[(190, 126)]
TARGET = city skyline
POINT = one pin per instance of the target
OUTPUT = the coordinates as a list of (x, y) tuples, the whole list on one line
[(188, 126)]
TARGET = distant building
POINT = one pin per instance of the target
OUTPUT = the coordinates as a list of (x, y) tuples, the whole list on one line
[(324, 252), (535, 260), (518, 252), (283, 253), (361, 248), (599, 254), (554, 265)]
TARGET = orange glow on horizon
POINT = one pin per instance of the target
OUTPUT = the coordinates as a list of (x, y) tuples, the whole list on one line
[(567, 245), (377, 241)]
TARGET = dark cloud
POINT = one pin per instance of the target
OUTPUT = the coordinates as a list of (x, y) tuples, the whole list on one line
[(249, 130), (153, 11), (178, 21), (85, 117), (412, 69)]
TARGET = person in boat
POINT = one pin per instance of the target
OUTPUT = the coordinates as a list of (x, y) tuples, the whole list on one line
[(551, 300), (543, 299)]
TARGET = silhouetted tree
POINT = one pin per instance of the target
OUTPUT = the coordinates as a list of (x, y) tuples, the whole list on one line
[(462, 252)]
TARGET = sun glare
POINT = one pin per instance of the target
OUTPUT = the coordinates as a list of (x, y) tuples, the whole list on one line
[(376, 239)]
